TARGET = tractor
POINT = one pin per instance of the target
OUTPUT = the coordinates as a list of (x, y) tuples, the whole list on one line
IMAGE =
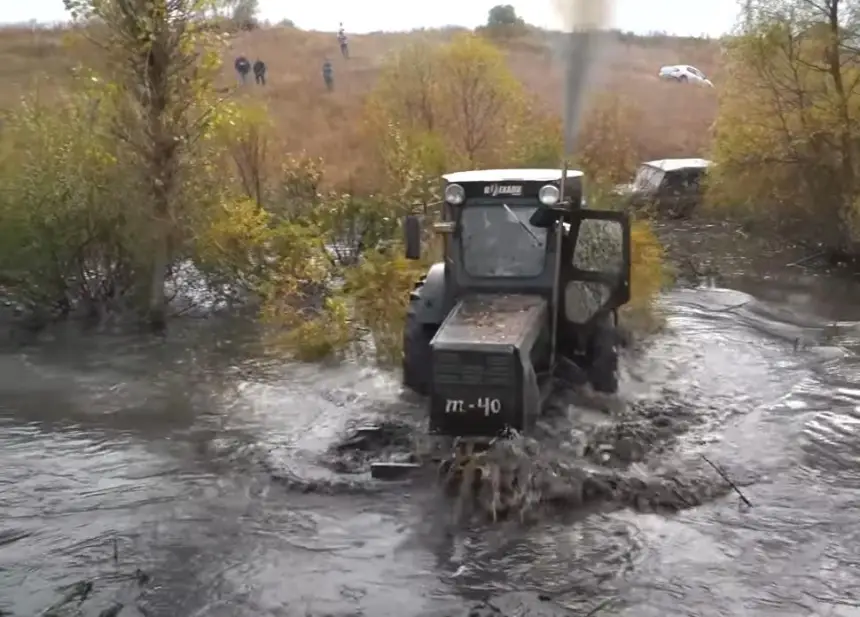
[(528, 290)]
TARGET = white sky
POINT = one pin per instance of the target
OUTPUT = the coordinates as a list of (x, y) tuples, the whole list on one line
[(693, 17)]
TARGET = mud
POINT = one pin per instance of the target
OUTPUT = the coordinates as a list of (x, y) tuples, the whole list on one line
[(715, 252), (609, 462)]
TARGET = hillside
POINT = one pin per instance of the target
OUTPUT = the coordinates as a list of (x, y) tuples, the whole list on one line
[(675, 118)]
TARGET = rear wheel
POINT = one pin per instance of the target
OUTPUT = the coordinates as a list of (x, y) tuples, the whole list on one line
[(417, 370), (603, 358), (683, 79)]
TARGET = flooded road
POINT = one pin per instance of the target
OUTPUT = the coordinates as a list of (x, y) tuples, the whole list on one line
[(151, 469)]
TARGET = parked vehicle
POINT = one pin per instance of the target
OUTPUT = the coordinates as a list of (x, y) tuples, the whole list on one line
[(669, 187), (684, 73)]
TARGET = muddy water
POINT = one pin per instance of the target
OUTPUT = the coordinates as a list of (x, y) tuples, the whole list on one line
[(120, 454)]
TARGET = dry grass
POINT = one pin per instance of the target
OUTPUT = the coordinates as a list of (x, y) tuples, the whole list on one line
[(675, 119)]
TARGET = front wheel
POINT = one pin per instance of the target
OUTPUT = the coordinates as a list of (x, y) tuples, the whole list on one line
[(417, 370)]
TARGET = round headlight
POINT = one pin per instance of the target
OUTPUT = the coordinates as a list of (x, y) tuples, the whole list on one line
[(549, 195), (455, 194)]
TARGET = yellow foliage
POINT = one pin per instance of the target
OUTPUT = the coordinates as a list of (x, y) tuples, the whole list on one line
[(321, 336), (458, 102), (606, 151), (784, 139), (538, 140), (482, 99), (234, 229), (379, 290), (648, 277)]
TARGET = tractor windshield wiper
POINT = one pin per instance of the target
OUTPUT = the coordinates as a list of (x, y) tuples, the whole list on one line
[(521, 224)]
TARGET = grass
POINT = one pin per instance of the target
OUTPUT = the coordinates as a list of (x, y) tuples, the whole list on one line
[(675, 120)]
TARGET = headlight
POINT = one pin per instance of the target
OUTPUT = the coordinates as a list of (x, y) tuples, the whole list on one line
[(455, 194), (549, 195)]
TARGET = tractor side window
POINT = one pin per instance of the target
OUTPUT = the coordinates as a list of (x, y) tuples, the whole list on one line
[(599, 248)]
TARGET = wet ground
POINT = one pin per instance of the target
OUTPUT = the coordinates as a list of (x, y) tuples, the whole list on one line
[(164, 473)]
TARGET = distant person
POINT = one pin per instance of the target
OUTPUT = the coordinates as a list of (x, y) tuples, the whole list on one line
[(341, 39), (328, 74), (260, 72), (243, 67)]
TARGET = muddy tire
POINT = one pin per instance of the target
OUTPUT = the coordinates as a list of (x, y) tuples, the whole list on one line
[(603, 356), (417, 370)]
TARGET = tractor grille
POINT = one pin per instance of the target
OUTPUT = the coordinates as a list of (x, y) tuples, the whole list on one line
[(469, 368)]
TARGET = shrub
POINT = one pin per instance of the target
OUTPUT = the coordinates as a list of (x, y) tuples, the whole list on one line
[(785, 138)]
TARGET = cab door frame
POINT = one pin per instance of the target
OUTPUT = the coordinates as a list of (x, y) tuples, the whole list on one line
[(571, 337)]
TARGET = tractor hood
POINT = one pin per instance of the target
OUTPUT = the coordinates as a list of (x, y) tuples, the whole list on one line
[(492, 322), (483, 379)]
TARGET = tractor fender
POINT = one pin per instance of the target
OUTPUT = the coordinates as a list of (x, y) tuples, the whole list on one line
[(431, 307)]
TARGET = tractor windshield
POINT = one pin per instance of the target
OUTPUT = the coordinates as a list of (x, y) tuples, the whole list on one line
[(497, 240)]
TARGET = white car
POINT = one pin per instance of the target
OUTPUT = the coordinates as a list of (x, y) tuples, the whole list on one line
[(684, 73)]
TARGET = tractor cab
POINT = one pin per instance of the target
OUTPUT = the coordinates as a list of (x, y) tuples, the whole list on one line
[(530, 279), (492, 243)]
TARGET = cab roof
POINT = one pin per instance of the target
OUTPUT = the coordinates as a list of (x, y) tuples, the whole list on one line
[(677, 164), (510, 175)]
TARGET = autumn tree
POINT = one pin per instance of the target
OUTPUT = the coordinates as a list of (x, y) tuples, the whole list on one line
[(786, 138), (162, 68), (606, 146), (459, 100), (64, 239), (503, 15), (245, 13)]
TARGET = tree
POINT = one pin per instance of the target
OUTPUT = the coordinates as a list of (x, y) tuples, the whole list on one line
[(460, 98), (503, 15), (65, 236), (786, 136), (483, 99), (236, 9), (162, 67), (245, 13)]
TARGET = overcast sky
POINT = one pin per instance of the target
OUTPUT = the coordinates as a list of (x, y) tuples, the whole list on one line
[(693, 17)]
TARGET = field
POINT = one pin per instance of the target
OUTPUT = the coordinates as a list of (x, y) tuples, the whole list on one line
[(675, 119)]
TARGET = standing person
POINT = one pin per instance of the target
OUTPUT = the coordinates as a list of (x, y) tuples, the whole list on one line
[(328, 74), (243, 67), (344, 45), (260, 72)]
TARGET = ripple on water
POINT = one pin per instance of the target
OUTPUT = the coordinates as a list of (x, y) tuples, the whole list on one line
[(70, 499), (578, 560), (830, 438), (283, 421), (220, 539)]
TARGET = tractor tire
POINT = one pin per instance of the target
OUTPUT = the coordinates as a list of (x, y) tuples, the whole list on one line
[(417, 369), (603, 359)]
